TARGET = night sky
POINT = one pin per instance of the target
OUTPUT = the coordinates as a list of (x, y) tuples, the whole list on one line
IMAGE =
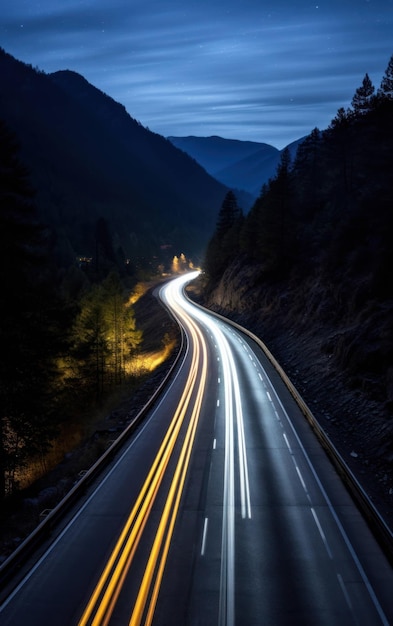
[(261, 70)]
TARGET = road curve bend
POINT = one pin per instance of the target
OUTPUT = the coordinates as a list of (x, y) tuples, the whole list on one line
[(222, 509)]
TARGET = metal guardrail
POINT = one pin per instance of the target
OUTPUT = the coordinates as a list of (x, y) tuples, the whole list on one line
[(378, 525), (10, 567), (21, 555)]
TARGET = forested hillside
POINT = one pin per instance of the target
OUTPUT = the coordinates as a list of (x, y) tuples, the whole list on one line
[(91, 204), (91, 161), (310, 267)]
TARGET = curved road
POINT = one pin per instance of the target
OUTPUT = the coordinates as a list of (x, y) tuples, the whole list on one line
[(222, 510)]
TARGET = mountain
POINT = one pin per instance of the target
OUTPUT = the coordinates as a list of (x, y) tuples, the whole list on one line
[(238, 164), (216, 153), (90, 160), (251, 172)]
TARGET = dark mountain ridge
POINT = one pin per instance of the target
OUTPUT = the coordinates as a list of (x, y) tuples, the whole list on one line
[(89, 159), (216, 153), (237, 164), (255, 170)]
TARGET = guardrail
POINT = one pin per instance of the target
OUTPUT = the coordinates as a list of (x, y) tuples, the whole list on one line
[(379, 527), (20, 556), (40, 534)]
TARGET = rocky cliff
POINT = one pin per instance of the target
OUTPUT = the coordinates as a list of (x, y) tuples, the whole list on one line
[(298, 322)]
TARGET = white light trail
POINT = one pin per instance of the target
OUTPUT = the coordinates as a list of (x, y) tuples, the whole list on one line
[(233, 421)]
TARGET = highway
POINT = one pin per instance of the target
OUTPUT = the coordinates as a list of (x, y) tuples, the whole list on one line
[(222, 509)]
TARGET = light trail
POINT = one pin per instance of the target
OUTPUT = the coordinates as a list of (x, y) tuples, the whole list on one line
[(233, 411), (168, 517), (103, 600), (232, 396), (233, 415), (135, 587), (102, 603)]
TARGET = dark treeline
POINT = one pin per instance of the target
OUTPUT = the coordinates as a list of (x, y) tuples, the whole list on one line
[(321, 231), (66, 335)]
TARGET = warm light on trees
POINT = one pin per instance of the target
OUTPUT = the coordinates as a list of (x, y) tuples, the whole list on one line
[(122, 336), (180, 264), (105, 335)]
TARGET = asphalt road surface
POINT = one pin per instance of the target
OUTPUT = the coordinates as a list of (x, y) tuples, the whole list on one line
[(222, 509)]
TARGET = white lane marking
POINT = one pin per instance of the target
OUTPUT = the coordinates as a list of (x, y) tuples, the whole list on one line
[(287, 442), (204, 536), (218, 402), (345, 591), (269, 396), (300, 476), (323, 536), (334, 515), (214, 444)]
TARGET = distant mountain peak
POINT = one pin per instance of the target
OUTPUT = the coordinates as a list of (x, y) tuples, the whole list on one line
[(78, 86), (229, 159), (239, 164), (70, 73)]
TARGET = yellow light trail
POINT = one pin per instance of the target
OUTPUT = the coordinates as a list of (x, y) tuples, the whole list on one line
[(169, 515), (103, 600)]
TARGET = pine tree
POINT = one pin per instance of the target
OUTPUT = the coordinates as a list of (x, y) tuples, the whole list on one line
[(228, 215), (363, 98), (275, 230), (225, 242), (342, 120), (386, 88), (308, 173)]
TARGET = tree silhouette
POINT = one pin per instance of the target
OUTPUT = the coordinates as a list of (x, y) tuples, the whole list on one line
[(363, 97), (268, 234), (307, 169), (224, 244), (29, 336), (228, 214), (386, 88)]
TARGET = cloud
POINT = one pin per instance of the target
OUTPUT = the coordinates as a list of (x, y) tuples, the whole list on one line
[(270, 68)]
